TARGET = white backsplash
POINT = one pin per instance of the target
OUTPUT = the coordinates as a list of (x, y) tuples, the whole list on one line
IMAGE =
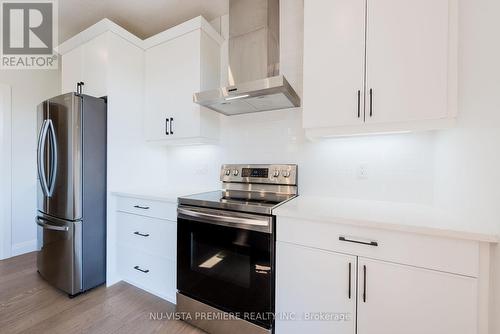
[(398, 167)]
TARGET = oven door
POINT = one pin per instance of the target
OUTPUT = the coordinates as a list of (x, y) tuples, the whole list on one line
[(226, 260)]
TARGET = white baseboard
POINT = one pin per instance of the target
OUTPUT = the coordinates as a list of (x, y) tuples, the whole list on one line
[(24, 247)]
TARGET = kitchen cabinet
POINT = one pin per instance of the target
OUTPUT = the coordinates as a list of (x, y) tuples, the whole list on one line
[(174, 65), (87, 63), (376, 66), (174, 70), (313, 283), (334, 59), (145, 244), (406, 282), (389, 298), (404, 299), (71, 69)]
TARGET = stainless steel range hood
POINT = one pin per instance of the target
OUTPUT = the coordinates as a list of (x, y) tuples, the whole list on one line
[(255, 83)]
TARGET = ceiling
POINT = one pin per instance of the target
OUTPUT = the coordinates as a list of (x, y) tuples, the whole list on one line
[(143, 18)]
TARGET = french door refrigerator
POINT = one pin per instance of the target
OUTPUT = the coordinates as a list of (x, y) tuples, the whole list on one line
[(71, 216)]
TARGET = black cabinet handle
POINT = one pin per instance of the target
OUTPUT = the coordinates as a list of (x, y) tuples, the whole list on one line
[(141, 207), (79, 89), (171, 125), (371, 102), (359, 103), (140, 234), (369, 243), (166, 126), (350, 265), (141, 270), (364, 284)]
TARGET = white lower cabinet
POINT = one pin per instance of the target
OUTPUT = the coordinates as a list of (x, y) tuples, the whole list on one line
[(154, 274), (156, 236), (314, 284), (146, 245), (401, 299), (388, 298)]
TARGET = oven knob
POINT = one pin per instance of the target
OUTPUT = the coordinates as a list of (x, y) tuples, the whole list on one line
[(228, 172), (285, 173), (235, 172), (276, 173)]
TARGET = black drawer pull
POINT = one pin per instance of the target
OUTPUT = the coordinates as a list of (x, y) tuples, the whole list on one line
[(141, 207), (140, 234), (370, 243), (141, 270)]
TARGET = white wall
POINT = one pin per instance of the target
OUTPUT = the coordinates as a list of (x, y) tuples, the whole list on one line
[(399, 166), (29, 87)]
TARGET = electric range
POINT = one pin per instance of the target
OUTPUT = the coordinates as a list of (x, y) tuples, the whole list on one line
[(226, 249)]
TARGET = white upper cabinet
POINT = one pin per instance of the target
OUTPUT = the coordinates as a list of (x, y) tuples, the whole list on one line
[(95, 65), (407, 60), (399, 54), (87, 63), (174, 65), (72, 69), (334, 59), (174, 70)]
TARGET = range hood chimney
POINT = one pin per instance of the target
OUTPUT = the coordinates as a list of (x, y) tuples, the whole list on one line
[(254, 68)]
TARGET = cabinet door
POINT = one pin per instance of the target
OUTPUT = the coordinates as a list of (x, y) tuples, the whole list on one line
[(407, 60), (334, 53), (313, 283), (172, 76), (401, 299), (95, 63), (72, 70)]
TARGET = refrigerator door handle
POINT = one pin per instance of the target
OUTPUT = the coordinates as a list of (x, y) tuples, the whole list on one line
[(43, 223), (53, 164), (41, 163)]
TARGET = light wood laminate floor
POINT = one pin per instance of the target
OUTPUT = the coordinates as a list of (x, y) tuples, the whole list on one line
[(29, 305)]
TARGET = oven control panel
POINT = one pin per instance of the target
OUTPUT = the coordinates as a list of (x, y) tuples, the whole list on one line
[(271, 174)]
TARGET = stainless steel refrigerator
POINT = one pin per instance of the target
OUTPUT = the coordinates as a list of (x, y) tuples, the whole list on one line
[(71, 218)]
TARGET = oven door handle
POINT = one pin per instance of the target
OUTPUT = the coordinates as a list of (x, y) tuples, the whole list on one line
[(246, 222)]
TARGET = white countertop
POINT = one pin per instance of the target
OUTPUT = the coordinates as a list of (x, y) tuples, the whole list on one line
[(160, 194), (414, 218)]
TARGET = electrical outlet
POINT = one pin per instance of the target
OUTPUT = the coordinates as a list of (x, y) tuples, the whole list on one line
[(362, 172), (202, 170)]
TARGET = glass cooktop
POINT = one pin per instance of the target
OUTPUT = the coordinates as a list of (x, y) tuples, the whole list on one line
[(220, 200)]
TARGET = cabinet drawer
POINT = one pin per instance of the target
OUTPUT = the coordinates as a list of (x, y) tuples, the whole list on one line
[(155, 236), (150, 208), (438, 253), (158, 275)]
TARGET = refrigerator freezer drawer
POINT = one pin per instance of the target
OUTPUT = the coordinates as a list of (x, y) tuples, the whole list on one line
[(59, 259)]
